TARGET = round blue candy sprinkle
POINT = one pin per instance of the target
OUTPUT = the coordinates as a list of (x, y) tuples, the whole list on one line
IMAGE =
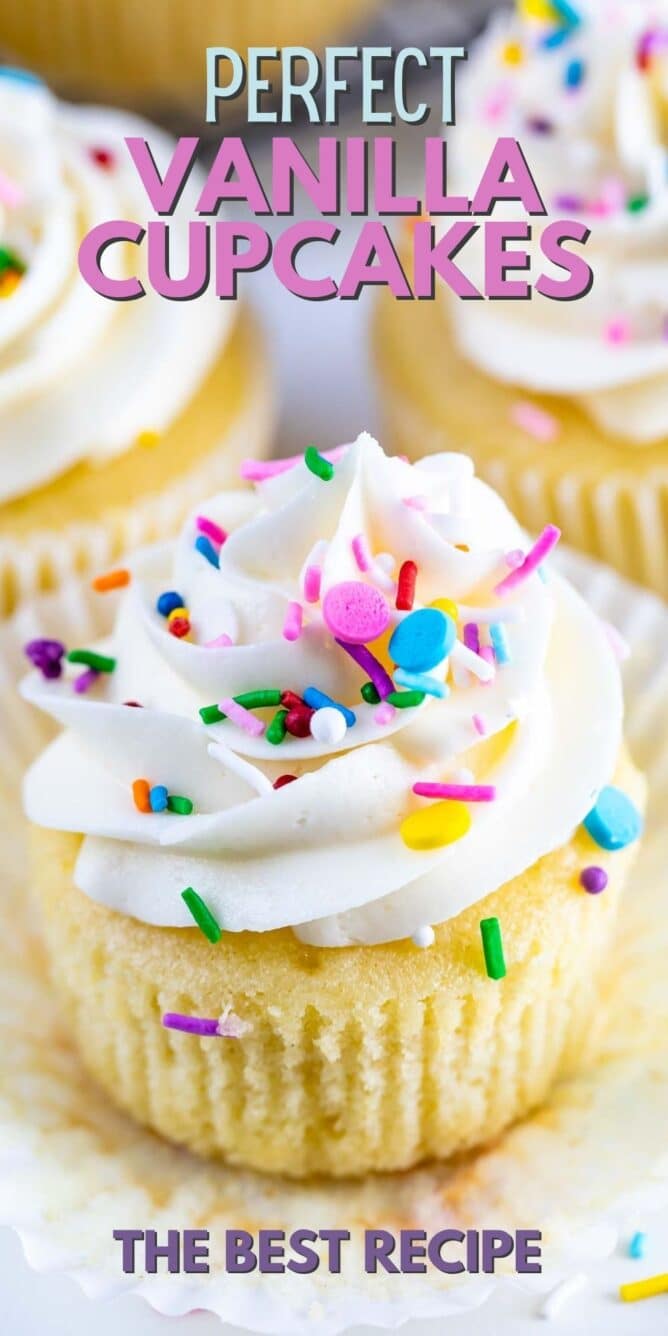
[(168, 602), (158, 798), (422, 640), (614, 821)]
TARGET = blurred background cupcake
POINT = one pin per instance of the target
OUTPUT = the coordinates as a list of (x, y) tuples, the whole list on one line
[(564, 405), (152, 56), (114, 416)]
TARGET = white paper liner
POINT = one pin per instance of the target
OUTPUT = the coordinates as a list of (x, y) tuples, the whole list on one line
[(73, 1169)]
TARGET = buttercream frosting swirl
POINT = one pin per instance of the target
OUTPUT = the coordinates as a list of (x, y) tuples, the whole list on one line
[(81, 377), (324, 854), (588, 102)]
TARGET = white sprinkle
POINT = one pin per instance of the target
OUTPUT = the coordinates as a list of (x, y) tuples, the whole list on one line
[(505, 612), (561, 1294), (463, 657), (424, 936), (328, 726)]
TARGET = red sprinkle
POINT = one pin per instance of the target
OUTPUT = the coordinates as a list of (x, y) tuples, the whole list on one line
[(136, 704), (292, 701), (283, 780), (406, 586), (298, 721), (179, 627), (103, 157)]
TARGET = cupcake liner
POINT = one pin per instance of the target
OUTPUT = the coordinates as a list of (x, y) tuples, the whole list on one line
[(73, 1169), (49, 558), (123, 50)]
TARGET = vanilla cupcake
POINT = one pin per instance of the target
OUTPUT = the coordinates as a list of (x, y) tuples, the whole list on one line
[(114, 416), (563, 405), (328, 857), (155, 57)]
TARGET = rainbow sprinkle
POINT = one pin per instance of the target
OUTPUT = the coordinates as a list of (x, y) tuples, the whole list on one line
[(100, 663), (242, 717), (292, 626), (466, 793), (103, 584), (492, 945), (318, 464), (202, 915), (541, 549), (644, 1289)]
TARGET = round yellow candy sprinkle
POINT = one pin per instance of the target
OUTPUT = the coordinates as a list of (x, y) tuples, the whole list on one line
[(147, 439), (512, 53), (178, 612), (434, 826), (447, 606), (538, 9)]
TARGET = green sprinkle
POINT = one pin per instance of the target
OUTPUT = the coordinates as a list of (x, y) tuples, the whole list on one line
[(100, 663), (210, 714), (10, 260), (636, 203), (404, 700), (181, 805), (276, 730), (492, 946), (369, 694), (202, 915), (257, 700), (315, 462)]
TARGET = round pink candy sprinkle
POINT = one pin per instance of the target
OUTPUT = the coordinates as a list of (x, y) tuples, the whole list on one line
[(356, 612)]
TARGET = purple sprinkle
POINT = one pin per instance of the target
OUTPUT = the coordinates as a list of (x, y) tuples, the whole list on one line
[(175, 1020), (85, 680), (539, 125), (594, 879), (569, 203), (370, 665), (471, 637), (46, 655)]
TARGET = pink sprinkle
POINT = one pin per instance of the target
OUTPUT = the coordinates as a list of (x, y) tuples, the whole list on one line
[(479, 724), (242, 717), (514, 558), (258, 470), (220, 642), (497, 103), (211, 529), (312, 580), (85, 680), (534, 420), (465, 793), (416, 502), (361, 552), (471, 637), (617, 331), (292, 626), (540, 550), (11, 194), (385, 713)]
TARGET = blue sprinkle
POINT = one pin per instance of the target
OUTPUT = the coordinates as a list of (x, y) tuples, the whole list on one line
[(422, 639), (574, 73), (499, 639), (317, 700), (637, 1245), (421, 682), (158, 798), (566, 12), (168, 602), (207, 549), (614, 821), (555, 38), (18, 75)]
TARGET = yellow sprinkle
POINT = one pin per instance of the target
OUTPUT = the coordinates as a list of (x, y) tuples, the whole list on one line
[(9, 282), (512, 53), (434, 826), (644, 1289), (147, 439), (447, 606), (178, 612), (537, 9)]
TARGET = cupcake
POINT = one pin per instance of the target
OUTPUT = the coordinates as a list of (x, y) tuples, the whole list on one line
[(563, 405), (132, 54), (329, 853), (114, 416)]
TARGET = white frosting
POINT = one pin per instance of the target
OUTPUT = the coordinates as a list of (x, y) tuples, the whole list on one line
[(607, 141), (82, 376), (324, 854)]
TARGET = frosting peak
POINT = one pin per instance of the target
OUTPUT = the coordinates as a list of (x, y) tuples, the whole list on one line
[(469, 695)]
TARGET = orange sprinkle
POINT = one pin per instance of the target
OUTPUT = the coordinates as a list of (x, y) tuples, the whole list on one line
[(148, 439), (9, 282), (140, 792), (112, 580)]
